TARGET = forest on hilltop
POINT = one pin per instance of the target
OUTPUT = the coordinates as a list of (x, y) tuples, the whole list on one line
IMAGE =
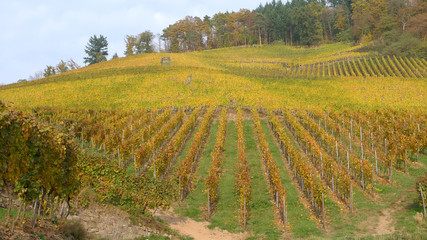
[(399, 25)]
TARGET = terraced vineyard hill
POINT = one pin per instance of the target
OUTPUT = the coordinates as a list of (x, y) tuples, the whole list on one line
[(273, 141), (276, 76)]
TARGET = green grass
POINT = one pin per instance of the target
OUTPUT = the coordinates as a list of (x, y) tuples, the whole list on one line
[(185, 150), (226, 215), (261, 218), (299, 217), (13, 212), (195, 203)]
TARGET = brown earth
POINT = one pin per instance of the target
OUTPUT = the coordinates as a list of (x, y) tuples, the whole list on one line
[(198, 230)]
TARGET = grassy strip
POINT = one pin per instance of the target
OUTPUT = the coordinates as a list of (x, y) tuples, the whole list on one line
[(185, 150), (196, 201), (298, 216), (226, 215), (261, 217)]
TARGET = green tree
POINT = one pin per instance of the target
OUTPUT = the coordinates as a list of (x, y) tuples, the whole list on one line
[(72, 65), (144, 43), (62, 67), (49, 71), (96, 49), (130, 41)]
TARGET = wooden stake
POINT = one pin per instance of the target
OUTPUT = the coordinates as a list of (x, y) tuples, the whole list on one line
[(348, 161), (376, 162), (336, 147)]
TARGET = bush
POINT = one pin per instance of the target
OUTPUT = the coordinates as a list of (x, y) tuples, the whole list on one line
[(423, 182), (73, 230), (345, 36)]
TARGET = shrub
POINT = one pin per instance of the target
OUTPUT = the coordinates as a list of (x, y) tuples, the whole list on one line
[(423, 182), (73, 230)]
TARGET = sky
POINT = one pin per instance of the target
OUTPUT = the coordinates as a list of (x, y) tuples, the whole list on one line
[(34, 34)]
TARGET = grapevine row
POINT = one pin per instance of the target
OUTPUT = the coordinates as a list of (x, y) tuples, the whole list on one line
[(188, 166), (215, 169), (272, 171), (242, 176), (167, 156), (333, 173)]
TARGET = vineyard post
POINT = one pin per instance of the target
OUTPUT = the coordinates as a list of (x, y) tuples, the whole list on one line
[(422, 198), (333, 185), (323, 210), (33, 222), (155, 172), (361, 149), (361, 139), (336, 147), (277, 199), (285, 217), (91, 141), (376, 162), (348, 161), (349, 139)]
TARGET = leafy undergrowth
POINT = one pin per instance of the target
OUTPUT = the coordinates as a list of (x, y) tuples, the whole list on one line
[(113, 185)]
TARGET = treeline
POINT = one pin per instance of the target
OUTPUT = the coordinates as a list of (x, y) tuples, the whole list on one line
[(300, 22)]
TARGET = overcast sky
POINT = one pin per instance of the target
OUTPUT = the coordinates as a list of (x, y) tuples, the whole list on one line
[(34, 34)]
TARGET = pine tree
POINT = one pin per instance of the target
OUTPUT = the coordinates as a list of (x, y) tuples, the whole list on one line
[(96, 49)]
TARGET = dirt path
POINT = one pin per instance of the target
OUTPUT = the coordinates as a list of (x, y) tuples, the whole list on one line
[(385, 223), (198, 230)]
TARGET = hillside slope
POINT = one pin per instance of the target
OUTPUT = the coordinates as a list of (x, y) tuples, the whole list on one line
[(248, 76)]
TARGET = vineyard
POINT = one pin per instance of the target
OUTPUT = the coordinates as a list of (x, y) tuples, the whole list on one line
[(326, 156), (272, 141)]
